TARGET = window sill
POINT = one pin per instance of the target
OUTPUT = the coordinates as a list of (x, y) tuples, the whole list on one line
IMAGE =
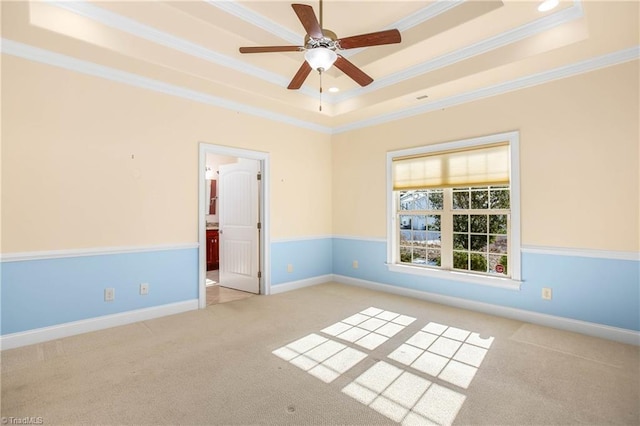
[(507, 283)]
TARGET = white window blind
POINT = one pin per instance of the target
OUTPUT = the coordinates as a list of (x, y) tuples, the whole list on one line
[(487, 165)]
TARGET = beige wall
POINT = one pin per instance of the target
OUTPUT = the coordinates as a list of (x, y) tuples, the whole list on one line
[(579, 142), (91, 163), (69, 180)]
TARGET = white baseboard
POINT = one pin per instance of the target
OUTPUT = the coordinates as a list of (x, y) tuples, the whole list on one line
[(307, 282), (39, 335), (592, 329)]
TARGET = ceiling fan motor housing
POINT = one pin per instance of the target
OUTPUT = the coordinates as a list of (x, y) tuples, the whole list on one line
[(329, 41)]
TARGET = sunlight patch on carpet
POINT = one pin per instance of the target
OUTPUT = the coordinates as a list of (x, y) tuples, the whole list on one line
[(323, 358), (405, 397), (405, 389), (369, 328), (448, 353)]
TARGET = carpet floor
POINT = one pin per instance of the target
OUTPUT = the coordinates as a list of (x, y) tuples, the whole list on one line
[(330, 354)]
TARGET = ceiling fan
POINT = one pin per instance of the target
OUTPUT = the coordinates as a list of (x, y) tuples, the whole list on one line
[(320, 46)]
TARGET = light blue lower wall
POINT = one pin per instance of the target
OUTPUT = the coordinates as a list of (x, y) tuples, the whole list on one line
[(46, 292), (603, 291), (309, 258)]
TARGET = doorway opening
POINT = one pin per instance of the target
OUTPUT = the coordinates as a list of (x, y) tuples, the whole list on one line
[(233, 224)]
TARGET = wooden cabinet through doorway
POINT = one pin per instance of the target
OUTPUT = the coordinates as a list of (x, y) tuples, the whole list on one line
[(212, 250)]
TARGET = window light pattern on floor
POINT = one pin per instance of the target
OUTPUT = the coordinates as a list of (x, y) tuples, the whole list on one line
[(405, 397), (320, 357), (369, 328), (448, 353)]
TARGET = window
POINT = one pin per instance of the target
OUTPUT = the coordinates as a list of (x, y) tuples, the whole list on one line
[(453, 210), (465, 229)]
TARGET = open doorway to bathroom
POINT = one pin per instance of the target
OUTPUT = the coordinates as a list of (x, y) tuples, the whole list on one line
[(233, 224), (217, 290)]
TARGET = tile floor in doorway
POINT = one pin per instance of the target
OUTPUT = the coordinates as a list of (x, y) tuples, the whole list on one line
[(217, 293)]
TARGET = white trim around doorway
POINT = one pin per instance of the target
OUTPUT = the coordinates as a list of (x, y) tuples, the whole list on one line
[(265, 238)]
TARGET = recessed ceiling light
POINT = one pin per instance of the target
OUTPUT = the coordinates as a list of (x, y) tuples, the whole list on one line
[(547, 5), (334, 89)]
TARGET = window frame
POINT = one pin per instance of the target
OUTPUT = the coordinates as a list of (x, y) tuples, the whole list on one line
[(393, 237)]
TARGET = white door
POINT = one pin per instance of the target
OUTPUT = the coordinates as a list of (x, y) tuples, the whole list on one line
[(238, 202)]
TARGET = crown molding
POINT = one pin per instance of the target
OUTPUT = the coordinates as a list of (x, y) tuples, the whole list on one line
[(431, 11), (35, 54), (500, 40), (135, 28), (238, 10), (581, 67), (43, 56), (146, 32), (113, 20), (423, 15)]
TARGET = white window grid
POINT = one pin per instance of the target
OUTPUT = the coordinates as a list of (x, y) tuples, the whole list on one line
[(446, 248)]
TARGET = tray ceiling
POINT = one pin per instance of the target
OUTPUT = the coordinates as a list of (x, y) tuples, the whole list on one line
[(451, 51)]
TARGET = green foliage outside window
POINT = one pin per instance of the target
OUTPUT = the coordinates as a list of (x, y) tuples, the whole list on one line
[(503, 262), (405, 256), (478, 262), (460, 260)]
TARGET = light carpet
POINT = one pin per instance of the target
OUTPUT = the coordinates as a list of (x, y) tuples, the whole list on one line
[(330, 354)]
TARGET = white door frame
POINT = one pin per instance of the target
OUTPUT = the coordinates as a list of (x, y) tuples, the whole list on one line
[(265, 239)]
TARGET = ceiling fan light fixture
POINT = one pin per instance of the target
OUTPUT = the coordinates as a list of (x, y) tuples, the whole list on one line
[(320, 58)]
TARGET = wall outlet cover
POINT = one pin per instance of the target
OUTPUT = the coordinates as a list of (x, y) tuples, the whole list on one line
[(109, 294)]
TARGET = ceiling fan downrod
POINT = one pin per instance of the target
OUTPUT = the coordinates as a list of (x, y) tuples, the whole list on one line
[(320, 69), (320, 107)]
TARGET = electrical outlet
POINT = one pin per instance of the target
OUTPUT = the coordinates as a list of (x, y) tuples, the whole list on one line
[(109, 294), (144, 289), (289, 268), (355, 264), (546, 293)]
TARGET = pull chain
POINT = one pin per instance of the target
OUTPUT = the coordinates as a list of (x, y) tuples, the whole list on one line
[(320, 71)]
